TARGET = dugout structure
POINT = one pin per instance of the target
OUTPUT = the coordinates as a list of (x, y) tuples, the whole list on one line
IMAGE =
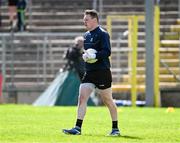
[(132, 56)]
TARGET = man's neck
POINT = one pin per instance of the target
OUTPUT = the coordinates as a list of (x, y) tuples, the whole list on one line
[(94, 27)]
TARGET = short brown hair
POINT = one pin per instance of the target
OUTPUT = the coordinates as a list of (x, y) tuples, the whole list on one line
[(93, 13)]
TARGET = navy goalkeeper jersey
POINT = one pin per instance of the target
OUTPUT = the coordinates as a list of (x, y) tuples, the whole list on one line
[(99, 40)]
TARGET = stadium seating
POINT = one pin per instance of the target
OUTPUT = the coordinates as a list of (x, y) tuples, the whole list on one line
[(54, 24)]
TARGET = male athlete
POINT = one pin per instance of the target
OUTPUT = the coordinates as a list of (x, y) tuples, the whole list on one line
[(97, 75)]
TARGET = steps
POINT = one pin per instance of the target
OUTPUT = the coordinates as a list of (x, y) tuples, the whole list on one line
[(64, 20), (32, 63)]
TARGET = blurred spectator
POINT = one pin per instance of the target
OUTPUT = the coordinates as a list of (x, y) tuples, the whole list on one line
[(12, 12), (1, 87), (21, 6), (74, 57), (0, 14)]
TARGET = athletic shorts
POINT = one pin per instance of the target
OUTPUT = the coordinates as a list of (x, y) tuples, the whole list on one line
[(12, 2), (102, 79)]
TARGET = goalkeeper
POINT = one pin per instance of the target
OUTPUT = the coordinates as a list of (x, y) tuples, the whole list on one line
[(97, 50)]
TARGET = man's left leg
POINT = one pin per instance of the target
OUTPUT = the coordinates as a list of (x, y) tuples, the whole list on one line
[(106, 96)]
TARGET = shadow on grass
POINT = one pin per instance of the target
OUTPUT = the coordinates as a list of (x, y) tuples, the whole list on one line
[(122, 136), (130, 137)]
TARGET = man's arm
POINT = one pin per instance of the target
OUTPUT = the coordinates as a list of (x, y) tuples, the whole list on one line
[(106, 47)]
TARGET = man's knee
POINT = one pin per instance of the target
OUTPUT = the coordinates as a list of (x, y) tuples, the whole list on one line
[(82, 99), (106, 96)]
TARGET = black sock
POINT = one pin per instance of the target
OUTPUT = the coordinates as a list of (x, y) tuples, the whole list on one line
[(79, 123), (115, 124)]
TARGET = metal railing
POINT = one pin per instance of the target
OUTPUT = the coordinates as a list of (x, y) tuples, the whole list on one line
[(179, 8), (47, 51), (98, 5)]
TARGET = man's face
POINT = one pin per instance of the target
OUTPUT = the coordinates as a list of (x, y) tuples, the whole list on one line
[(89, 22)]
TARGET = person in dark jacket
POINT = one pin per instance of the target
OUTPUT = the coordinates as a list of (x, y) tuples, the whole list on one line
[(0, 14), (74, 57), (21, 6), (97, 50)]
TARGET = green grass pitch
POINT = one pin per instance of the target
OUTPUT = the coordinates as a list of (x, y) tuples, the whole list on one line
[(28, 124)]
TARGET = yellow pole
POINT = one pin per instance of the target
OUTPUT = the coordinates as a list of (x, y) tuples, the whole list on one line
[(134, 60), (156, 55), (132, 44), (109, 26), (130, 47)]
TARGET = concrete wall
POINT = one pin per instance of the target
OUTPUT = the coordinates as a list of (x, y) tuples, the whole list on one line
[(21, 97), (170, 97)]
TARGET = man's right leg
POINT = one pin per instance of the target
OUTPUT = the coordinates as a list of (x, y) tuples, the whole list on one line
[(84, 92)]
